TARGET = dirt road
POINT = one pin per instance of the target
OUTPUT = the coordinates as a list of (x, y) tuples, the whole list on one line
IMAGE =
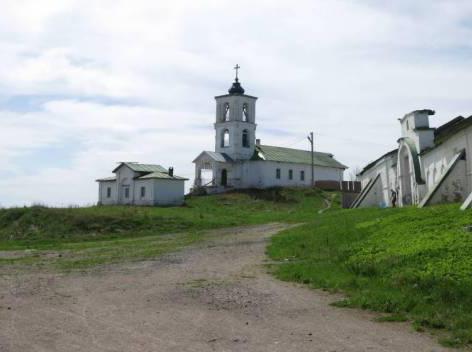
[(215, 296)]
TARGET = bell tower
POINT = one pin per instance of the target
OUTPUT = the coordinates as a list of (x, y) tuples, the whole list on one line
[(235, 125)]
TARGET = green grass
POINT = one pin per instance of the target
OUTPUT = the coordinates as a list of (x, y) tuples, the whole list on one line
[(75, 238), (411, 263)]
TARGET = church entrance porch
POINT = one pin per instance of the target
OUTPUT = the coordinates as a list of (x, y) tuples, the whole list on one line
[(212, 173), (205, 175)]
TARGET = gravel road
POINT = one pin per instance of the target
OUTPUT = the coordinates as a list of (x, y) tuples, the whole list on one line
[(214, 296)]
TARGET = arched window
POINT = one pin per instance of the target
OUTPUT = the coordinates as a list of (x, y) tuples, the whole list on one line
[(245, 113), (226, 112), (225, 139), (246, 139)]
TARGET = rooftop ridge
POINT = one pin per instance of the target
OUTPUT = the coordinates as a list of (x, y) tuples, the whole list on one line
[(301, 150)]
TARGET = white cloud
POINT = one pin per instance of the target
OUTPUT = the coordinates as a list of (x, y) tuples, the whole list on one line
[(129, 80)]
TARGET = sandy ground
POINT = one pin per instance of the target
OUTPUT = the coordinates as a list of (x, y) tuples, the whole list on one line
[(215, 296)]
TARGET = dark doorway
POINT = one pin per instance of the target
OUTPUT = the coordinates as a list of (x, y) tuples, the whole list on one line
[(224, 177)]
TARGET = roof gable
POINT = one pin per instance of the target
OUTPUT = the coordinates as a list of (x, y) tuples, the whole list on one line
[(219, 157), (137, 167), (161, 175)]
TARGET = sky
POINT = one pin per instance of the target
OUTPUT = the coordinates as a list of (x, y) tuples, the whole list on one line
[(85, 84)]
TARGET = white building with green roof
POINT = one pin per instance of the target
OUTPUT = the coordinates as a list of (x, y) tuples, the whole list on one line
[(241, 161), (141, 184)]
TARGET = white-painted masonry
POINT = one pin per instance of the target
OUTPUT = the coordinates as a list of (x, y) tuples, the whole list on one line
[(239, 160), (423, 158), (141, 187)]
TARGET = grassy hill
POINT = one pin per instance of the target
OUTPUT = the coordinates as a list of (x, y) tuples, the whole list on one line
[(71, 238), (414, 264)]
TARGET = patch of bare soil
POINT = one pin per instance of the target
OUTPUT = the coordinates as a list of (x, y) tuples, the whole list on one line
[(215, 296)]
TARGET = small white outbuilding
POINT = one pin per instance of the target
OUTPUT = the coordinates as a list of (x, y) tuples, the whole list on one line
[(141, 184)]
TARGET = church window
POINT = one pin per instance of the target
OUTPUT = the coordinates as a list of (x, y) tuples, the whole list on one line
[(108, 192), (407, 125), (225, 139), (126, 192), (302, 175), (290, 174), (277, 174), (245, 139), (245, 113), (226, 112), (143, 192)]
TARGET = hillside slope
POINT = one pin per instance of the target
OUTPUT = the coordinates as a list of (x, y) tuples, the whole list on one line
[(412, 263), (73, 238)]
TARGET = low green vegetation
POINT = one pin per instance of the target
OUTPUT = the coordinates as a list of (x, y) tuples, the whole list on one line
[(411, 263), (71, 238)]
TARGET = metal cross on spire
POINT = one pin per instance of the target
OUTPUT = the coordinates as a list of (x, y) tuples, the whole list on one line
[(236, 68)]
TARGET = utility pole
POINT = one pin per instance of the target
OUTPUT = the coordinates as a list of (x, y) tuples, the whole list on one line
[(311, 139)]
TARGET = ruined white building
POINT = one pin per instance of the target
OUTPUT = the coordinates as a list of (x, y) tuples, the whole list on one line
[(430, 165), (241, 161), (141, 184)]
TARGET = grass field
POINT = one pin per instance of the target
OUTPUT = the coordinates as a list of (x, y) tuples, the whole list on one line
[(76, 238), (414, 264)]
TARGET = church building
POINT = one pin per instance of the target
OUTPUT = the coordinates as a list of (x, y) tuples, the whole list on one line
[(240, 160), (430, 165)]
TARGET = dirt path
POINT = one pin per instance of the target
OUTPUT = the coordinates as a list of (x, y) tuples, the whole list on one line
[(213, 297)]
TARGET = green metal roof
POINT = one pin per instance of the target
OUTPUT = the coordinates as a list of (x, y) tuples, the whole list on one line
[(137, 167), (160, 175), (289, 155)]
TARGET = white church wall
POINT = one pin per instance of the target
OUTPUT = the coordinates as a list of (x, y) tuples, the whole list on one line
[(235, 125), (103, 192), (236, 105), (386, 167), (231, 173), (235, 148), (168, 192), (260, 174), (415, 126), (436, 160), (452, 187), (375, 197)]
